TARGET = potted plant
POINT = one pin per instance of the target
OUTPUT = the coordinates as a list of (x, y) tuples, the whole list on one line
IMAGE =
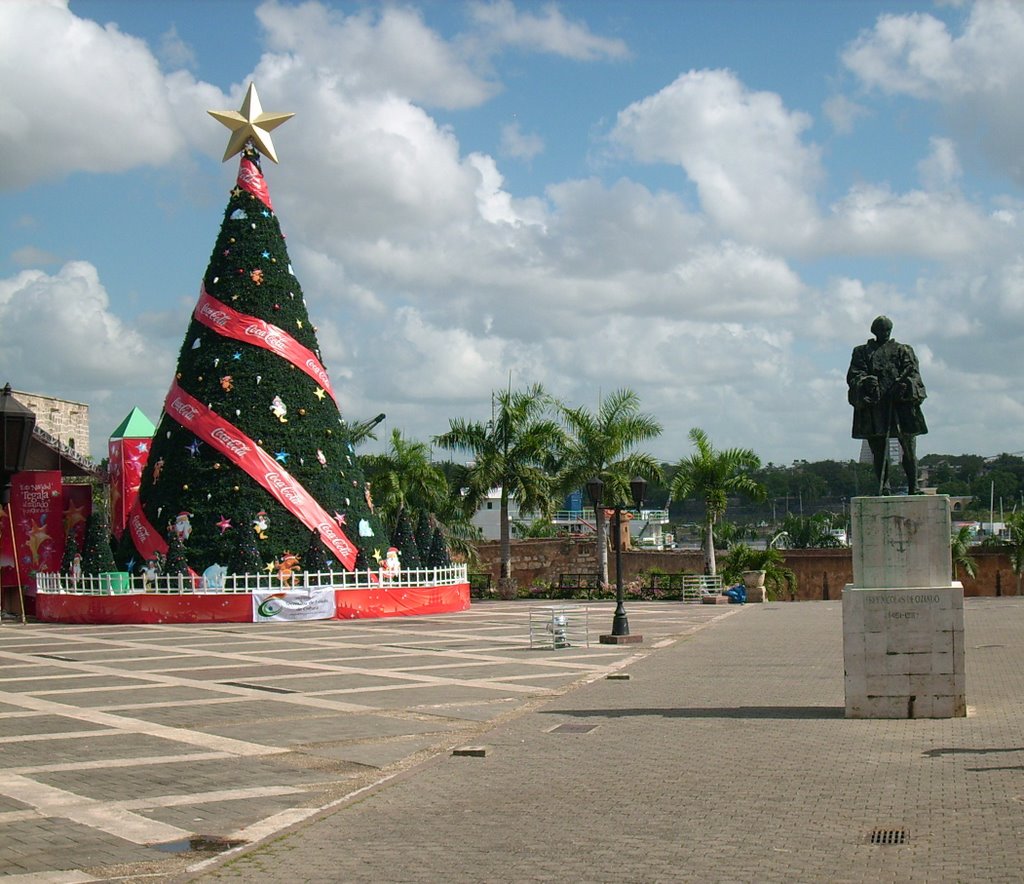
[(762, 571)]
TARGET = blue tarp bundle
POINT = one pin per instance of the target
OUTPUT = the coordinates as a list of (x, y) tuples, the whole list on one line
[(737, 594)]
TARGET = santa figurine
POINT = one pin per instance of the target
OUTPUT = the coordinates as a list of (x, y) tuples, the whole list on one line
[(390, 567), (183, 527)]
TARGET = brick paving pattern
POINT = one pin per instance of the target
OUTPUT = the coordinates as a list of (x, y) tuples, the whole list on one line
[(724, 756)]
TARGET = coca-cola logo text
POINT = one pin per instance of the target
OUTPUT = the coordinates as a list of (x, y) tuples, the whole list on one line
[(273, 337), (287, 491), (188, 412), (237, 446), (217, 317)]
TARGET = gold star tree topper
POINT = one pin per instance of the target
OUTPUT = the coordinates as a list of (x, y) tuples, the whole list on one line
[(250, 123)]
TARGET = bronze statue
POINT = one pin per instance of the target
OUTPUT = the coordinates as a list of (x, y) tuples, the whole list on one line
[(886, 392)]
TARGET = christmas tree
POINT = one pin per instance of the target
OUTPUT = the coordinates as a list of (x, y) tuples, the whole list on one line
[(97, 557), (404, 541), (439, 556), (251, 423)]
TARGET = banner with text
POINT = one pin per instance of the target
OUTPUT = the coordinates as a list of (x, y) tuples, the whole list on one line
[(242, 451), (230, 323), (293, 605)]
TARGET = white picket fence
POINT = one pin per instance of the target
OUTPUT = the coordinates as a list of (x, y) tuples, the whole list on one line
[(121, 583)]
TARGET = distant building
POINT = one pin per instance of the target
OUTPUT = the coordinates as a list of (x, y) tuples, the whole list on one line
[(60, 440), (488, 515)]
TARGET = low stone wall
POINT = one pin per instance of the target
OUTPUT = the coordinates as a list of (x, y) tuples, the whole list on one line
[(821, 573)]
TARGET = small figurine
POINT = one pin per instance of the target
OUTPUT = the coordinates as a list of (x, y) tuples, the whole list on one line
[(286, 568), (390, 567), (150, 572), (260, 525)]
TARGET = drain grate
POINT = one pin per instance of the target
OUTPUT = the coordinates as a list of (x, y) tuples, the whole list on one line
[(257, 687), (572, 729), (199, 844), (889, 836)]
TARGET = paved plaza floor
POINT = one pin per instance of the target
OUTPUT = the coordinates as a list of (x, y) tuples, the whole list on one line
[(324, 752)]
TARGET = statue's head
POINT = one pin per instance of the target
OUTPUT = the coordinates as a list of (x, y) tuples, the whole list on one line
[(881, 328)]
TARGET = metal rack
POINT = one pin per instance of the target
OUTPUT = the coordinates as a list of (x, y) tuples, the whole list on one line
[(560, 626)]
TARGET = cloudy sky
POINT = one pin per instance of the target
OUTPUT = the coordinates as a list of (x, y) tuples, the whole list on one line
[(706, 202)]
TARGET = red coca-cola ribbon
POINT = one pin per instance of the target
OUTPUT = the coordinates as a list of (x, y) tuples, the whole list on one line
[(242, 451), (251, 179), (148, 541), (230, 323)]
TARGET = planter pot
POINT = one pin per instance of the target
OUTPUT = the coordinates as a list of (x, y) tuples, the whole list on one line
[(753, 580)]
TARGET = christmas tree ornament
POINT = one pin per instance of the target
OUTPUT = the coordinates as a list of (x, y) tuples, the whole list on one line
[(320, 456), (257, 276), (196, 344), (238, 215), (261, 525), (224, 524), (227, 383), (250, 122), (320, 392), (279, 409), (364, 528), (182, 526)]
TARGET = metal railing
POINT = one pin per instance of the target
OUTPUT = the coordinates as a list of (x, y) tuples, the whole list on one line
[(565, 517), (120, 583)]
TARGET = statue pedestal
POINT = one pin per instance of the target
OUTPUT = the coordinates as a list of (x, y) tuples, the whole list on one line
[(903, 618)]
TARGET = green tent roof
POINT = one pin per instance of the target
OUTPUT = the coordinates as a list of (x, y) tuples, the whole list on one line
[(135, 426)]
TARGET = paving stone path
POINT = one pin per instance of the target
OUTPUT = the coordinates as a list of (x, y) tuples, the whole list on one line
[(132, 751), (327, 750)]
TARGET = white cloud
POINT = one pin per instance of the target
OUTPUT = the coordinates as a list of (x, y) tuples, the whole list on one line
[(32, 256), (976, 75), (62, 108), (941, 169), (843, 113), (175, 52), (375, 52), (742, 149), (550, 32), (92, 355), (871, 219), (519, 145)]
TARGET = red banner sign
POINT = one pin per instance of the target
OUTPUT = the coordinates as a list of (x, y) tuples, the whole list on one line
[(251, 179), (36, 539), (127, 458), (148, 541), (246, 454), (230, 323)]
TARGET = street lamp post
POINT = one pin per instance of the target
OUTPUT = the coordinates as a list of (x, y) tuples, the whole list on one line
[(16, 424), (620, 623)]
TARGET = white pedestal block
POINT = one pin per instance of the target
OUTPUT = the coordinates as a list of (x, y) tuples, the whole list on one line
[(903, 618)]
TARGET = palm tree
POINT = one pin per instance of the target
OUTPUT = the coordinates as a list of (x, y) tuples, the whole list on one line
[(514, 452), (712, 476), (601, 445), (1015, 529), (960, 552), (404, 478)]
